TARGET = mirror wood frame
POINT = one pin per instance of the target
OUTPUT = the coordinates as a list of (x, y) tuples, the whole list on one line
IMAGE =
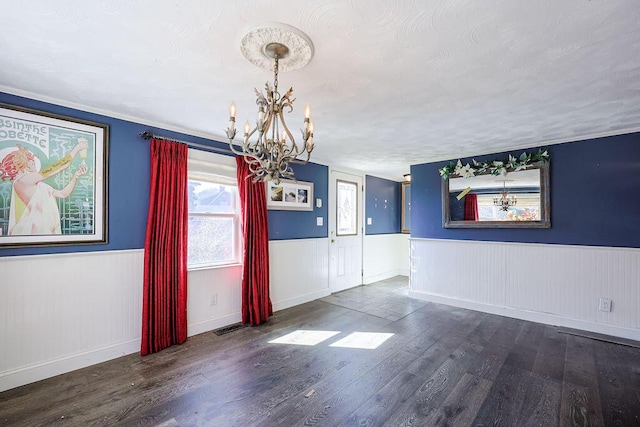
[(404, 228), (545, 207)]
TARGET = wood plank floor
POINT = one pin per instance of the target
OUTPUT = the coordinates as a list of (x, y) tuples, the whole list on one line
[(439, 366)]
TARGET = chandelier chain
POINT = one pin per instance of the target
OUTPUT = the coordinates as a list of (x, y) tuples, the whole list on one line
[(275, 78)]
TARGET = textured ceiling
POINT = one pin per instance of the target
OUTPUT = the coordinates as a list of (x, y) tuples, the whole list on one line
[(391, 83)]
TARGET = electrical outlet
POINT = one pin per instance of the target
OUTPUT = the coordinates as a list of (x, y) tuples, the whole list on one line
[(604, 304), (213, 299)]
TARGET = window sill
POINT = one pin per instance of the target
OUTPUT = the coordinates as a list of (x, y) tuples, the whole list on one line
[(213, 267)]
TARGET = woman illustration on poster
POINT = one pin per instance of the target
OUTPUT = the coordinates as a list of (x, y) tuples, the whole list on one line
[(34, 210)]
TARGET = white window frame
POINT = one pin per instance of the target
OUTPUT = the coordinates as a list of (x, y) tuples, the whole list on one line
[(217, 168)]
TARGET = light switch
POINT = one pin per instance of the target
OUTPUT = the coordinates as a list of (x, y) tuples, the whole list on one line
[(369, 221), (318, 203), (319, 220)]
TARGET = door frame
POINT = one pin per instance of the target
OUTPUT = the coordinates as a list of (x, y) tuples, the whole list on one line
[(332, 218)]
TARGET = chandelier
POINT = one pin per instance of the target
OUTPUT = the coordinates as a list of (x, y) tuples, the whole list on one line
[(504, 201), (274, 147)]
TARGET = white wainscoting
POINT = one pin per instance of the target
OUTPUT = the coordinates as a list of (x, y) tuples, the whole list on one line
[(385, 256), (64, 312), (214, 298), (552, 284), (299, 271), (67, 311)]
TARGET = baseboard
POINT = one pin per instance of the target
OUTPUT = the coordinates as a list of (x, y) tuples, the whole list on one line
[(367, 280), (29, 374), (210, 325), (291, 302), (532, 316)]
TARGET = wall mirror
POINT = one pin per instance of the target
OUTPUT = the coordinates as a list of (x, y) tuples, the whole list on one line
[(516, 200), (406, 207)]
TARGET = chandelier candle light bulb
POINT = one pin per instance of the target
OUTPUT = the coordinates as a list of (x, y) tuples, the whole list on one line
[(232, 115), (310, 136)]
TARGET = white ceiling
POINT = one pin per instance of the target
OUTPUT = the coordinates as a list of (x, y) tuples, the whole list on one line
[(392, 83)]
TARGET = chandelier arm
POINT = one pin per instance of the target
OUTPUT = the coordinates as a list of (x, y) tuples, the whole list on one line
[(249, 148), (268, 121), (294, 149), (302, 162), (236, 152)]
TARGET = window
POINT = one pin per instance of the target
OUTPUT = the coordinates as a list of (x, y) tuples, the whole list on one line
[(347, 208), (527, 208), (214, 237)]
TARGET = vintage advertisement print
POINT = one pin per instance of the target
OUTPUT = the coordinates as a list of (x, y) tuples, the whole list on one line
[(52, 179)]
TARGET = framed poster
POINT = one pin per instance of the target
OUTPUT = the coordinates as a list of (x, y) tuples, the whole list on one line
[(290, 195), (53, 179)]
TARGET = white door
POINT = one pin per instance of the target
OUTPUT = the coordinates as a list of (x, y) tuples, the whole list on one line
[(345, 231)]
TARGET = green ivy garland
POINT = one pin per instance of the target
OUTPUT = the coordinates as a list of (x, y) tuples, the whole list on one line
[(495, 167)]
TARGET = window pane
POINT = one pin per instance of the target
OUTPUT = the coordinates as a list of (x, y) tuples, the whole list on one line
[(347, 206), (211, 240), (527, 208), (211, 197)]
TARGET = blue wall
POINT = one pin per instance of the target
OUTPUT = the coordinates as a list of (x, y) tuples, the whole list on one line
[(595, 197), (383, 205), (285, 225), (128, 189)]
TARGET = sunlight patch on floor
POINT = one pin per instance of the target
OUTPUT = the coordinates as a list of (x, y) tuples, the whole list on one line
[(305, 337), (365, 340)]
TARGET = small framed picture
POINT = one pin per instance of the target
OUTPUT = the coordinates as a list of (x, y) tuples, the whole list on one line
[(290, 195)]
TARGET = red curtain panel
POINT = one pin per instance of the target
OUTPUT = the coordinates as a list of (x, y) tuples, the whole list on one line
[(164, 307), (256, 304), (471, 207)]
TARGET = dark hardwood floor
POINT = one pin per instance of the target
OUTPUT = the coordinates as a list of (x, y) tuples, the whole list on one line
[(439, 366)]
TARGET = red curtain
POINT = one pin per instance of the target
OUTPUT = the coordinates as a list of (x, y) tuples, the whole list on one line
[(164, 306), (256, 304), (471, 207)]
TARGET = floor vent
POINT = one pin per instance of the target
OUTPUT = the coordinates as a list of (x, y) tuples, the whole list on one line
[(600, 337), (230, 328)]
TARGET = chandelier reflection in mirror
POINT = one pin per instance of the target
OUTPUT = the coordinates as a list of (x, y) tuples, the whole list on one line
[(273, 150), (504, 201)]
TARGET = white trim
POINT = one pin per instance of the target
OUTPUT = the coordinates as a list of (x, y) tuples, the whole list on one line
[(530, 316), (386, 275), (112, 114), (32, 373), (298, 240), (555, 245), (348, 171), (66, 254), (210, 325), (302, 299)]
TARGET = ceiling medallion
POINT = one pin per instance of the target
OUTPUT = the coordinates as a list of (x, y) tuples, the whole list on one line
[(300, 47)]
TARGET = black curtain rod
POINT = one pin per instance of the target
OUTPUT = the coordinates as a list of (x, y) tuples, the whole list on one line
[(148, 135)]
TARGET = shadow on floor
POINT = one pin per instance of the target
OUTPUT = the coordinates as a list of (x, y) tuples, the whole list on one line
[(388, 299)]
